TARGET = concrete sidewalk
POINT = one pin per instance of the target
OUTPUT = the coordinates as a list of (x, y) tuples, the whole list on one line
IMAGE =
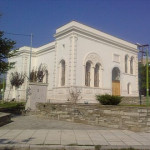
[(46, 137)]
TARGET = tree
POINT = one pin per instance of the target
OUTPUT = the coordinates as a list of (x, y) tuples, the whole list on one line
[(6, 46), (74, 95), (38, 75), (142, 79), (17, 79)]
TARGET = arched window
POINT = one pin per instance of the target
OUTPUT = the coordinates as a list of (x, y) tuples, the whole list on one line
[(126, 64), (131, 65), (96, 76), (62, 73), (129, 88), (46, 73), (87, 73), (115, 74), (116, 81)]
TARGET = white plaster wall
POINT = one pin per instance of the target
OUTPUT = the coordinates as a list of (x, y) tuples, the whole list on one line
[(105, 51), (21, 66), (47, 59), (62, 52)]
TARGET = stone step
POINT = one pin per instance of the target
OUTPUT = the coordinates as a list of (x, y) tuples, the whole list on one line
[(4, 118)]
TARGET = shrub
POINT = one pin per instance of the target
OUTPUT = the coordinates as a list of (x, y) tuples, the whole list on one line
[(16, 79), (12, 107), (108, 99)]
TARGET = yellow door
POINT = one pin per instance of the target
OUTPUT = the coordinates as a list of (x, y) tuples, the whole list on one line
[(116, 88)]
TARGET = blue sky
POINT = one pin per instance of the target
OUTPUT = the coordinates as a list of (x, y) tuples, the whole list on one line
[(126, 19)]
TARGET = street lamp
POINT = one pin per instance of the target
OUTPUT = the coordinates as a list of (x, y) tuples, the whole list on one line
[(147, 70)]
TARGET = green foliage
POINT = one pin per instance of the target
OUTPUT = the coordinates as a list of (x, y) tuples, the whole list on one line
[(142, 79), (12, 107), (97, 147), (108, 99), (17, 79), (38, 75), (6, 45)]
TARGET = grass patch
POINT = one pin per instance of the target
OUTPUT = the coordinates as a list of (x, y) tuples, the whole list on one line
[(12, 107), (97, 147)]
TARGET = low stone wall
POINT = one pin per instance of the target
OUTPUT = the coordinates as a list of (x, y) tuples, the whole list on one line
[(121, 117), (133, 100)]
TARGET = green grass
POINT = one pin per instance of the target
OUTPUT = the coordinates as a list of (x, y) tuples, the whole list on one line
[(12, 107), (11, 104)]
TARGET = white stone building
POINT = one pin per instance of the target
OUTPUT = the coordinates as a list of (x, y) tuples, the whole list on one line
[(82, 57)]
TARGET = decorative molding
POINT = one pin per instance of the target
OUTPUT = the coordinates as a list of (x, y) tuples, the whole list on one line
[(55, 66), (70, 61), (95, 36), (93, 58), (75, 59)]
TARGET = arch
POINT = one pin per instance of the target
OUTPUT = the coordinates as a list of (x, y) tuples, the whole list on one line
[(96, 75), (91, 61), (93, 58), (115, 81), (62, 72), (115, 74), (45, 68), (131, 65), (126, 63), (87, 73), (129, 88)]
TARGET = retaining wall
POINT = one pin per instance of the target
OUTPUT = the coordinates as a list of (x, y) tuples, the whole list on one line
[(122, 117)]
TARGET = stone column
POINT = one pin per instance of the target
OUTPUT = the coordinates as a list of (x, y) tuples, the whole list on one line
[(92, 76), (128, 71)]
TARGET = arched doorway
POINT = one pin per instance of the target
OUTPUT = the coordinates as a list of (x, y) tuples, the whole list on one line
[(115, 81)]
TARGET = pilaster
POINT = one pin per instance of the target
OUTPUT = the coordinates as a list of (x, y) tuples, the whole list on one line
[(72, 59), (55, 67)]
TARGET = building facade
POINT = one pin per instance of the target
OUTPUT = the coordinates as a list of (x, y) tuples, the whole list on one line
[(90, 60)]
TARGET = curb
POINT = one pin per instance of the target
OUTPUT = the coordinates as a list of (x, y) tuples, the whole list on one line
[(61, 147)]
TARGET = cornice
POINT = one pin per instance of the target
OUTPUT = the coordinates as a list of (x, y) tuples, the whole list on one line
[(51, 48), (35, 53), (96, 36)]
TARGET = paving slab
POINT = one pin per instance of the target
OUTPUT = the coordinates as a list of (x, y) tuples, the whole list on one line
[(116, 143), (130, 143), (9, 136), (68, 137), (82, 137), (122, 136), (96, 138), (38, 137), (53, 137), (2, 132), (24, 137), (74, 137), (110, 137)]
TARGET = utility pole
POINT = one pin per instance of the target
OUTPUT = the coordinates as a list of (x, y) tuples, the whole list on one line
[(147, 69), (142, 52), (3, 86), (30, 55), (147, 79)]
